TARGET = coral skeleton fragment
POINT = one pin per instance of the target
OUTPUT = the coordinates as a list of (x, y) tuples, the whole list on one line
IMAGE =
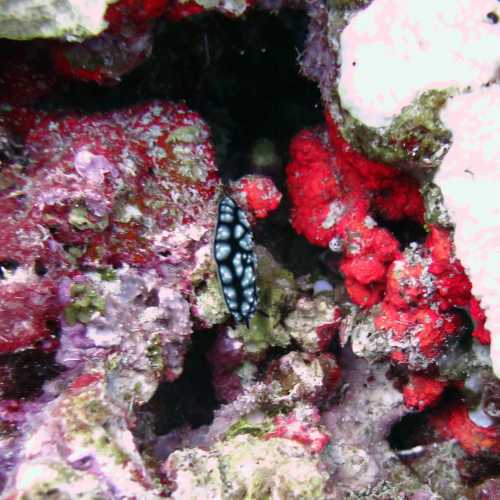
[(235, 258)]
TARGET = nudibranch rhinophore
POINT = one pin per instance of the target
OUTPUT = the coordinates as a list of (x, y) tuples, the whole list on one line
[(236, 260)]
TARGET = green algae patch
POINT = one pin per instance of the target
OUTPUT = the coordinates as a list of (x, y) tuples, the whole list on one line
[(191, 134), (85, 301), (415, 137), (435, 210), (277, 296), (248, 468), (245, 426), (80, 218), (154, 353)]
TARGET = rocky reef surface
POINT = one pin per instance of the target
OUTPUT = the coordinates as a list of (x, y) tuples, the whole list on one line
[(365, 156)]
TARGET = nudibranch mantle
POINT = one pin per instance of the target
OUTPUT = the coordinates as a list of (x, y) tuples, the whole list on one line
[(236, 260)]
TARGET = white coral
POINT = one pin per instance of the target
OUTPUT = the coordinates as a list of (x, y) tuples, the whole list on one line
[(469, 178), (394, 50)]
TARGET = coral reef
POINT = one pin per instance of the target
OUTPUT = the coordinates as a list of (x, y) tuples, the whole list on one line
[(366, 364), (246, 467)]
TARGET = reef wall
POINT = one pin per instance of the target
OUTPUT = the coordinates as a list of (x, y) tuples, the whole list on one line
[(357, 140)]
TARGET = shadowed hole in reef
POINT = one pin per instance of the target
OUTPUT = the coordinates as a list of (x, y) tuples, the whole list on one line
[(242, 75), (412, 438), (190, 399), (23, 374), (414, 429), (406, 230)]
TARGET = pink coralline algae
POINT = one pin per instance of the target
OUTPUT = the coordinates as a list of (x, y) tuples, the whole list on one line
[(103, 232), (26, 309), (107, 189), (308, 376), (226, 355), (302, 428)]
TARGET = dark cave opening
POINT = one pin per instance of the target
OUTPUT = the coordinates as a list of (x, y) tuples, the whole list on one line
[(241, 75), (23, 374), (406, 231), (191, 398), (413, 437)]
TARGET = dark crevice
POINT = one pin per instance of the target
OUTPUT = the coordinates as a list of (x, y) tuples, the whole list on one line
[(406, 231), (414, 429), (241, 75), (40, 268), (7, 265), (23, 374), (191, 398), (290, 249)]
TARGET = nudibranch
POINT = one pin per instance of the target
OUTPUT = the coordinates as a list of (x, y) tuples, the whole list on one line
[(236, 260)]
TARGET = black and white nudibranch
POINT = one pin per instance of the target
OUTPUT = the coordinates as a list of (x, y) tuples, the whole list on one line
[(236, 260)]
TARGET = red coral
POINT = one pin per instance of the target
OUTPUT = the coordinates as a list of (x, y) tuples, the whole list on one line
[(425, 289), (417, 332), (422, 391), (84, 381), (178, 11), (26, 307), (452, 284), (454, 423), (480, 332), (333, 191), (399, 197), (293, 426), (311, 186), (257, 194)]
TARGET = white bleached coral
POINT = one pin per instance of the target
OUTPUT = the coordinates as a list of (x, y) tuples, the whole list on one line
[(71, 19), (469, 178), (393, 51)]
